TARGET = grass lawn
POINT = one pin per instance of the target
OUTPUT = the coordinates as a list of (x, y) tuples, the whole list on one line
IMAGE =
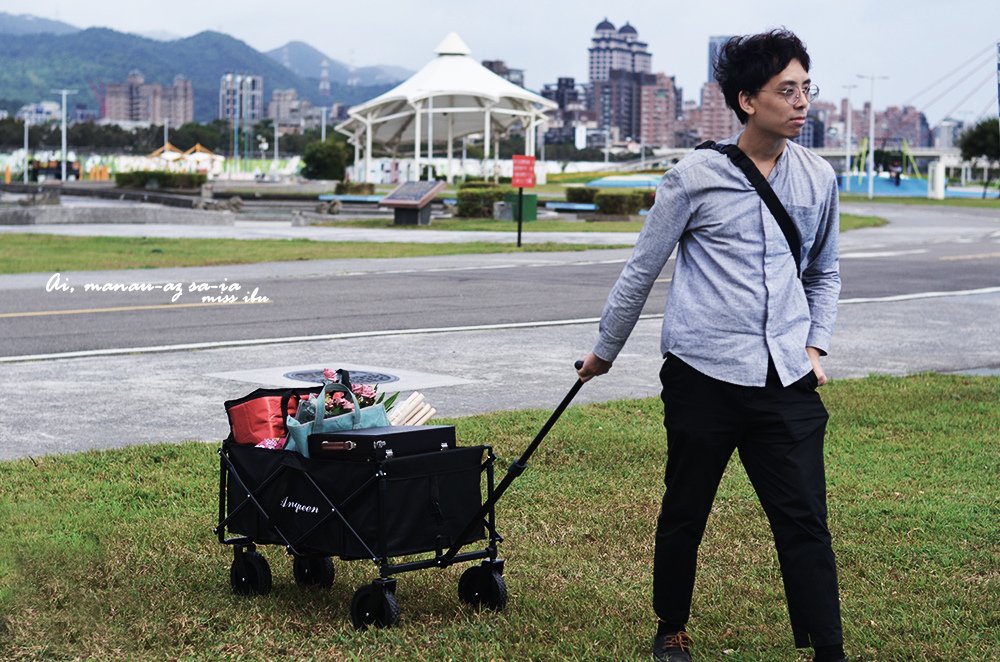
[(31, 253), (110, 555), (28, 253)]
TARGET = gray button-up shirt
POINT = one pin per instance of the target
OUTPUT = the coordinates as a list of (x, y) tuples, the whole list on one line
[(735, 298)]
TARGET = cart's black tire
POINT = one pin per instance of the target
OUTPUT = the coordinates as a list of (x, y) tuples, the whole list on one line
[(482, 586), (468, 586), (374, 605), (254, 579), (313, 571), (494, 591)]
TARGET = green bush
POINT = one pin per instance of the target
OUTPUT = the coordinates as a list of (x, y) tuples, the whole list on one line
[(153, 179), (476, 183), (580, 194), (619, 202), (355, 188), (477, 202), (324, 160)]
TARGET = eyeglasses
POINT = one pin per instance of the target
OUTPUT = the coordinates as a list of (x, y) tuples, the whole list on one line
[(793, 94)]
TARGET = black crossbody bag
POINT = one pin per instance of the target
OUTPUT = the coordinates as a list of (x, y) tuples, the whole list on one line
[(764, 190)]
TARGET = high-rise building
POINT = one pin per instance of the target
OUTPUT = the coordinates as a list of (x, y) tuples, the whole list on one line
[(658, 110), (716, 121), (132, 101), (813, 132), (892, 127), (135, 100), (896, 125), (40, 113), (290, 113), (572, 115), (500, 68), (946, 133), (242, 96), (715, 45), (180, 101), (620, 99), (565, 92), (618, 63), (617, 49)]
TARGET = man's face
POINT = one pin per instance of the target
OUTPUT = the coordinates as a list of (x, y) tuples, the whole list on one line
[(768, 109)]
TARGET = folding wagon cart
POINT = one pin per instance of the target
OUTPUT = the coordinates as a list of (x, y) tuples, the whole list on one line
[(380, 504)]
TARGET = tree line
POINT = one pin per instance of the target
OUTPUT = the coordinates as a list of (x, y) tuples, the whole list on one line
[(113, 139)]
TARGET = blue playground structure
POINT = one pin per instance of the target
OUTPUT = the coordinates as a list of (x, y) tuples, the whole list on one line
[(909, 187)]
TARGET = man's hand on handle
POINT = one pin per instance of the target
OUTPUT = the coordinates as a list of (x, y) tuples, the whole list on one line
[(592, 366)]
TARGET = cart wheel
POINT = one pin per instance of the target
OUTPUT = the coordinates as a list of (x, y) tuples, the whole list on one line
[(252, 576), (374, 605), (482, 586), (313, 571)]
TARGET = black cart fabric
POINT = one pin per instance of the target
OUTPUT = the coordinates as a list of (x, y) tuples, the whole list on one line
[(426, 501)]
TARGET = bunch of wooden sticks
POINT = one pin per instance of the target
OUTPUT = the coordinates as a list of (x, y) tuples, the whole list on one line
[(414, 411)]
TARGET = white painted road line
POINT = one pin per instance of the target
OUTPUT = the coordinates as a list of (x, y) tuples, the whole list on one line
[(921, 295), (980, 256), (410, 332), (291, 339), (916, 251), (483, 267)]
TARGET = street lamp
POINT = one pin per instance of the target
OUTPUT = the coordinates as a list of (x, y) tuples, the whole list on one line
[(322, 126), (237, 80), (847, 141), (276, 145), (64, 93), (871, 133), (27, 163)]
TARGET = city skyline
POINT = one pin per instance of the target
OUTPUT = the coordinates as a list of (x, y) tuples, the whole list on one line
[(913, 43)]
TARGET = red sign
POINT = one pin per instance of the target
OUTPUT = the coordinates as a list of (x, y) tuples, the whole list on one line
[(524, 172)]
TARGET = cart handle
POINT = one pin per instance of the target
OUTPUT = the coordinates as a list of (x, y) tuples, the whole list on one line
[(515, 470)]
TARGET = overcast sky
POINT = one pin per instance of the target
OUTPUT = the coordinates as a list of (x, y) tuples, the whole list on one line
[(916, 43)]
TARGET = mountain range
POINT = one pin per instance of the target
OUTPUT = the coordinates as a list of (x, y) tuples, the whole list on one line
[(38, 55)]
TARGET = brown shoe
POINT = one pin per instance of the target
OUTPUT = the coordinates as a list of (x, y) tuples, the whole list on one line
[(672, 647)]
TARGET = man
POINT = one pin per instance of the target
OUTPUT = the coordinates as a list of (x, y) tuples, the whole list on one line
[(742, 339)]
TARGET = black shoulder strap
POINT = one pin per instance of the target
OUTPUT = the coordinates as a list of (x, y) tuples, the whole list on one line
[(764, 190)]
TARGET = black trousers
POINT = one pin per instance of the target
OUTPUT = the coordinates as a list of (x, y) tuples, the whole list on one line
[(778, 432)]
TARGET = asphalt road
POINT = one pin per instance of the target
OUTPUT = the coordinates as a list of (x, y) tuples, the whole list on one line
[(922, 293), (45, 314)]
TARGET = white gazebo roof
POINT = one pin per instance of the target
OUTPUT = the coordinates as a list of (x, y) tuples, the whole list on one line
[(453, 89)]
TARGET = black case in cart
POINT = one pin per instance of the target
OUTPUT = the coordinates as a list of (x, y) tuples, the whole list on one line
[(382, 443)]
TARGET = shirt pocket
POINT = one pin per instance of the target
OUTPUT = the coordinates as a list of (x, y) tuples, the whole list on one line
[(806, 219)]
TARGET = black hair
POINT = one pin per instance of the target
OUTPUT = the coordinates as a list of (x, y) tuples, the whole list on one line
[(746, 63)]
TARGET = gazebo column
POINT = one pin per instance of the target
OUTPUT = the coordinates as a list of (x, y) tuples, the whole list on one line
[(357, 155), (496, 158), (430, 137), (416, 141), (451, 137), (486, 142), (368, 148)]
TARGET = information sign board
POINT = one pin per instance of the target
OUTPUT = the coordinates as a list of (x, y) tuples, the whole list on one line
[(412, 195), (524, 172)]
